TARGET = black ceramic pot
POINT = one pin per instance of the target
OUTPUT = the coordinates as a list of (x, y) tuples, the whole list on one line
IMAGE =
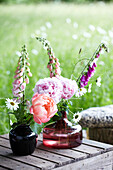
[(22, 140)]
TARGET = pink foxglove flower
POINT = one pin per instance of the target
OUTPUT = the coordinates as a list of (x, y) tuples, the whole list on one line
[(43, 108)]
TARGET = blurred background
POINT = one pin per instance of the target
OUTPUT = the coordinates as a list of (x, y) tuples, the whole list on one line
[(69, 25)]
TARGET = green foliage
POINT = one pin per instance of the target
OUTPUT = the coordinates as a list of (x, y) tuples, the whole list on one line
[(18, 24)]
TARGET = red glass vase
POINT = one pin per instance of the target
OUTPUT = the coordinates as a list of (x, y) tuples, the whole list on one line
[(62, 134)]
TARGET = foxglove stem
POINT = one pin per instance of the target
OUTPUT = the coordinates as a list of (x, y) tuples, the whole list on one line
[(102, 45), (53, 64)]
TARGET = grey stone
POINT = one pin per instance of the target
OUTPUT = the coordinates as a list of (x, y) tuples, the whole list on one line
[(97, 117)]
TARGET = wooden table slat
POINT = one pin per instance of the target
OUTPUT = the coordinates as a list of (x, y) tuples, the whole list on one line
[(12, 164), (97, 144), (99, 162), (63, 152), (31, 160), (88, 149), (3, 168)]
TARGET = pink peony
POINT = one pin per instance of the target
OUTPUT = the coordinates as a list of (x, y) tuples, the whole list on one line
[(43, 108), (70, 87), (51, 86)]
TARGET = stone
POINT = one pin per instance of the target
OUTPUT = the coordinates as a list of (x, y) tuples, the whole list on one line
[(97, 117)]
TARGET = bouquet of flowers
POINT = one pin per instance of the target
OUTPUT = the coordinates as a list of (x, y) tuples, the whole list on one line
[(52, 94), (59, 88)]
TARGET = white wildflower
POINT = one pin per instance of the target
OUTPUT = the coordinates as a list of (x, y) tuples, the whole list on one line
[(75, 25), (89, 89), (37, 32), (91, 27), (44, 35), (49, 25), (68, 20), (80, 92), (11, 104), (101, 63), (87, 35), (8, 72), (101, 30), (35, 52), (76, 117), (74, 36), (98, 81), (43, 28), (110, 33), (18, 53)]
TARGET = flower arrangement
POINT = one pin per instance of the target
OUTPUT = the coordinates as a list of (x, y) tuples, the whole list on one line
[(61, 89), (52, 94)]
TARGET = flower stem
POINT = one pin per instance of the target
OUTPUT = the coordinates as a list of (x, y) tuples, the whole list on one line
[(102, 45)]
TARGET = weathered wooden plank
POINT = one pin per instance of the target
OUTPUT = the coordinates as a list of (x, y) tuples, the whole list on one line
[(63, 152), (4, 142), (100, 162), (88, 149), (12, 164), (5, 136), (97, 144), (30, 160), (61, 160), (3, 168)]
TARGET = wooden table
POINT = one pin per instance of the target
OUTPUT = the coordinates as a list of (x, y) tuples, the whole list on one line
[(91, 155)]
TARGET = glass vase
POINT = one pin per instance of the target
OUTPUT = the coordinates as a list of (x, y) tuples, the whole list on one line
[(62, 134), (22, 140)]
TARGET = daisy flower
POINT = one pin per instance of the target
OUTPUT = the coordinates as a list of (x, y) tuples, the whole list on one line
[(11, 104), (98, 81), (89, 89), (80, 92), (76, 117)]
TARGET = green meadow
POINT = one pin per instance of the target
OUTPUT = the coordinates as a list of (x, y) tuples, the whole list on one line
[(69, 28)]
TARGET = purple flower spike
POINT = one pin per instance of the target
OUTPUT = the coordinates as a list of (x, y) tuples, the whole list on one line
[(98, 55), (83, 78), (94, 65)]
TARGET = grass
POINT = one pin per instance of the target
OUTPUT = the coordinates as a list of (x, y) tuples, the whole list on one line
[(18, 24)]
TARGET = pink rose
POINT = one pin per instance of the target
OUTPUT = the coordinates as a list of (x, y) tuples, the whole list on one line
[(43, 108)]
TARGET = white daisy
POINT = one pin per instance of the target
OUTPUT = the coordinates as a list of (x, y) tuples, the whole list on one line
[(76, 117), (11, 104), (98, 81), (80, 92), (89, 89)]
